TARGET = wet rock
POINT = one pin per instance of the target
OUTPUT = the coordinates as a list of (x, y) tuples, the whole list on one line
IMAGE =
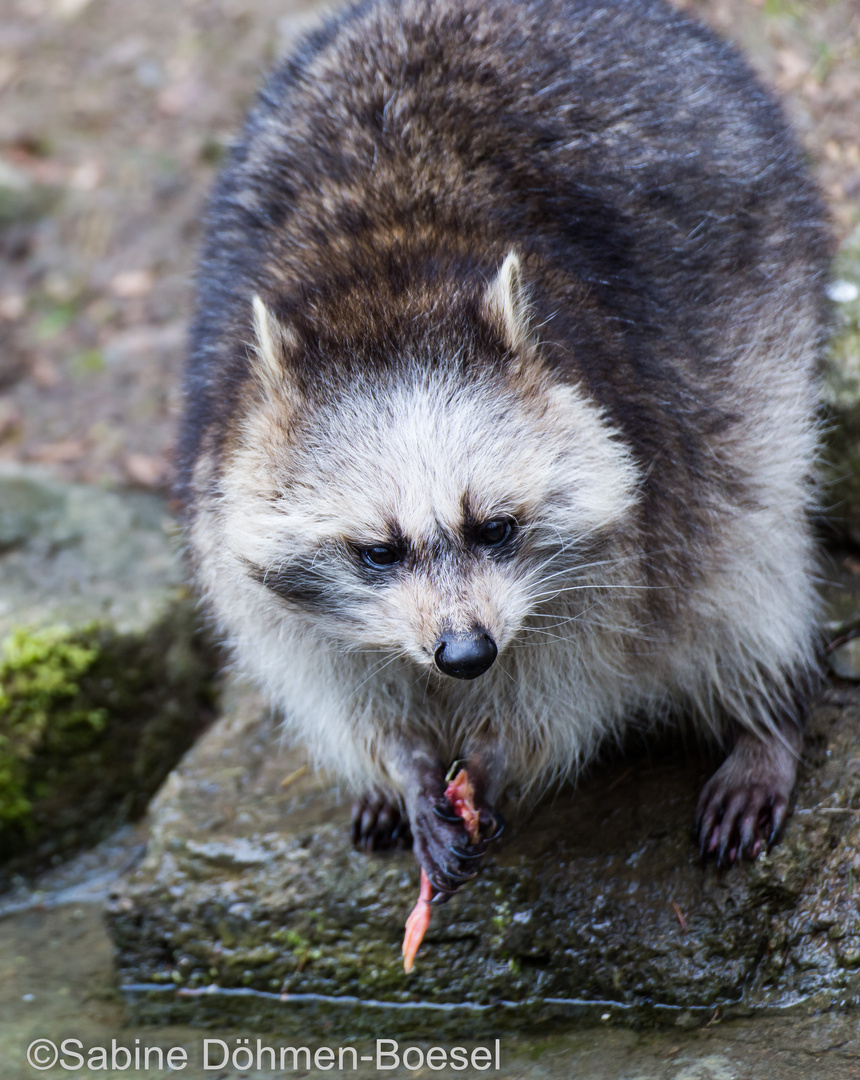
[(842, 394), (105, 678), (844, 660), (251, 905)]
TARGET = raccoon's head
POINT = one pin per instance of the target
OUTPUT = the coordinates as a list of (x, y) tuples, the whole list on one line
[(426, 505)]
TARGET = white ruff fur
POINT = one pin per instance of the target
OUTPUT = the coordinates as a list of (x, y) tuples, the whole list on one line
[(579, 654)]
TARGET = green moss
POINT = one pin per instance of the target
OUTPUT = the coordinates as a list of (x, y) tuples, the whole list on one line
[(293, 939), (40, 708), (91, 722), (503, 917), (784, 9), (87, 362), (57, 318)]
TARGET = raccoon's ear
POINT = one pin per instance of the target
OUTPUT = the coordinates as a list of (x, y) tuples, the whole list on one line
[(506, 302), (273, 343)]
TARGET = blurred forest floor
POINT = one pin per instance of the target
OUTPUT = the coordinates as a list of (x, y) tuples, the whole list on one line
[(113, 120)]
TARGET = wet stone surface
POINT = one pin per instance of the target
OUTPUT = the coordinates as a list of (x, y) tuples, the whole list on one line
[(56, 963), (251, 905), (75, 553)]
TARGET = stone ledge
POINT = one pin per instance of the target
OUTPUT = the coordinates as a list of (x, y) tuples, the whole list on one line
[(595, 904)]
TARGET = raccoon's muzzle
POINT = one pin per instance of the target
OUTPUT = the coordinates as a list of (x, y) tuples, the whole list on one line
[(465, 656)]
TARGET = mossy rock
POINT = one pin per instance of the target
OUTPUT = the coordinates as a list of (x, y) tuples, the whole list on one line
[(105, 679), (91, 722), (42, 713), (251, 906)]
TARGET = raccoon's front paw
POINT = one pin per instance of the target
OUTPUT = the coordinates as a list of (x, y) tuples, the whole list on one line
[(442, 845), (743, 807), (379, 824)]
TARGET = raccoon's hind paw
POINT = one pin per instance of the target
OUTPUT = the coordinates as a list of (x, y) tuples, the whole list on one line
[(379, 825), (743, 807)]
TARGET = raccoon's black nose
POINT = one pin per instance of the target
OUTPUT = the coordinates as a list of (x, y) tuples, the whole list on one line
[(465, 656)]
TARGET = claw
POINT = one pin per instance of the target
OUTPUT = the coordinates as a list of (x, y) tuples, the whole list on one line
[(748, 827), (443, 891), (378, 824), (460, 854), (461, 879), (743, 807), (452, 819), (779, 811), (706, 844), (501, 825), (454, 882)]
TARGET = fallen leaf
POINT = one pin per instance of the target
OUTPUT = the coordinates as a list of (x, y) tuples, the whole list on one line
[(145, 470), (131, 284), (59, 453)]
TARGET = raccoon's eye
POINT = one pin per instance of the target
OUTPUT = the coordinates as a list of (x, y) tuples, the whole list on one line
[(494, 533), (379, 557)]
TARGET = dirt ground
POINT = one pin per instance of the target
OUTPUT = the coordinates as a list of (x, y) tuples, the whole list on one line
[(114, 117)]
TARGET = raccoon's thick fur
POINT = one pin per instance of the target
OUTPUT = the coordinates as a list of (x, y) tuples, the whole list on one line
[(506, 344)]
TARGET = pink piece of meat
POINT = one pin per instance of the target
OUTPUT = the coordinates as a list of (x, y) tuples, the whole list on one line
[(417, 923), (461, 795)]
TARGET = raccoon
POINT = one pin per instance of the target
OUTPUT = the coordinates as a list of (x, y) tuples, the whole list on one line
[(499, 426)]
